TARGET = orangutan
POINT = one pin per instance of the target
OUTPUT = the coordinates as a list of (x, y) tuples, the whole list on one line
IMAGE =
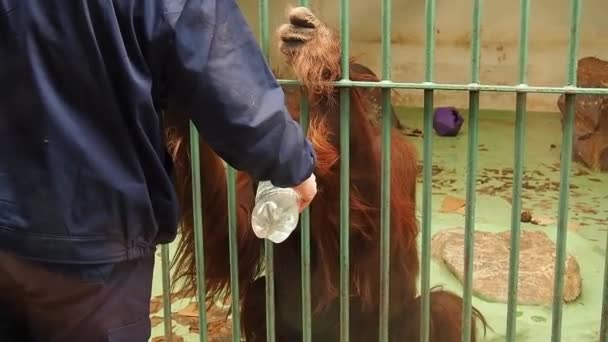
[(313, 51)]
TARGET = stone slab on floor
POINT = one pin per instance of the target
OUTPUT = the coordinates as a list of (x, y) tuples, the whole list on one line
[(491, 265)]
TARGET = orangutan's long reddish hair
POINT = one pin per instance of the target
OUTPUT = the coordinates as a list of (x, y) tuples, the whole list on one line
[(215, 217), (313, 51)]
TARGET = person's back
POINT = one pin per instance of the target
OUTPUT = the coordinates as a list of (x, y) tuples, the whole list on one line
[(81, 159), (84, 174)]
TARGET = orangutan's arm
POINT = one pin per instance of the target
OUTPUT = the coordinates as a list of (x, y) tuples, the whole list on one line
[(218, 74)]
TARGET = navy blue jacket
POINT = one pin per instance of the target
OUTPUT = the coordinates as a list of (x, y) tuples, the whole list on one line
[(84, 173)]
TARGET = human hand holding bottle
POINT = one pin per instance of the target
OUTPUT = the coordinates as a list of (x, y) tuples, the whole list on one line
[(306, 191), (276, 211)]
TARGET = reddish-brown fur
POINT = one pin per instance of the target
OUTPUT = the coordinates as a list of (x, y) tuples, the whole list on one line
[(315, 58)]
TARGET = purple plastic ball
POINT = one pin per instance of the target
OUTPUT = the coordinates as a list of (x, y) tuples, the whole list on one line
[(447, 121)]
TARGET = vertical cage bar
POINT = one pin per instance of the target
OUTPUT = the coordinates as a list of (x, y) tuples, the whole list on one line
[(575, 22), (476, 41), (520, 117), (198, 232), (604, 323), (429, 51), (427, 169), (345, 39), (471, 172), (268, 246), (566, 162), (427, 155), (234, 266), (264, 29), (305, 246), (470, 212), (562, 224), (305, 232), (344, 173), (386, 174), (166, 276), (520, 133), (523, 41), (344, 213), (270, 301)]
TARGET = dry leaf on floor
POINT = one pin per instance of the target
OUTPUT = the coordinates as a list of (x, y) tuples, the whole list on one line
[(175, 338), (213, 314), (453, 205), (190, 322), (542, 220), (155, 321), (156, 304), (189, 311)]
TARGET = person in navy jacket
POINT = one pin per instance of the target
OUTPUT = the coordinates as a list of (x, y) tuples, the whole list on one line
[(86, 192)]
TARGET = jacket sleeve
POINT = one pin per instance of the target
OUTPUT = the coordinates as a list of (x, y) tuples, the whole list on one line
[(218, 75)]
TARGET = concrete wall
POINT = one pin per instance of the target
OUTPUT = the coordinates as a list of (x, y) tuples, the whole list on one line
[(549, 27)]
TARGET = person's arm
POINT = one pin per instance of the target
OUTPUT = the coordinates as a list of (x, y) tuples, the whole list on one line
[(218, 75)]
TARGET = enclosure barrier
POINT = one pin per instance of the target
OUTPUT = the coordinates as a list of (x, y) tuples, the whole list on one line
[(428, 86)]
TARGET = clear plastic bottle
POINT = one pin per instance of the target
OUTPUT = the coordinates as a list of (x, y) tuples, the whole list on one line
[(275, 214)]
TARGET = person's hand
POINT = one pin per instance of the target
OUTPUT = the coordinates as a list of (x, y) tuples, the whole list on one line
[(307, 191)]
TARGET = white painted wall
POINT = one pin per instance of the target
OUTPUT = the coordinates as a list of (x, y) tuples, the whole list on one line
[(549, 27)]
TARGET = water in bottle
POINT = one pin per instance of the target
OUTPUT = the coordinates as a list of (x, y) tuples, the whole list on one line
[(275, 214)]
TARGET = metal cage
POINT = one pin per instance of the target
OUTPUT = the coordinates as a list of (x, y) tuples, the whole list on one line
[(474, 88)]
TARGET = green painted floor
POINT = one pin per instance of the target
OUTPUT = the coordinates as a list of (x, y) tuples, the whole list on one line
[(588, 214)]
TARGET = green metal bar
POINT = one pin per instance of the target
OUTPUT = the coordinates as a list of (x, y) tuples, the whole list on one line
[(476, 42), (166, 292), (566, 162), (427, 150), (562, 224), (305, 231), (427, 175), (429, 54), (604, 324), (574, 41), (523, 41), (471, 172), (198, 232), (344, 174), (520, 134), (234, 266), (470, 213), (385, 215), (520, 118), (459, 87), (305, 248), (270, 300), (345, 41), (386, 39), (344, 213), (385, 219), (264, 29), (268, 246)]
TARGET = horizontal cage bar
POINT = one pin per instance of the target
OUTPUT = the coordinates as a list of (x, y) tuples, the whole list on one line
[(460, 87)]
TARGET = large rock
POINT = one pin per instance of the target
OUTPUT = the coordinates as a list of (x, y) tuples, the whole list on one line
[(491, 265), (591, 122)]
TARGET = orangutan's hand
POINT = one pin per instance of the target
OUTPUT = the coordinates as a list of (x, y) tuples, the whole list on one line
[(307, 191), (303, 27)]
